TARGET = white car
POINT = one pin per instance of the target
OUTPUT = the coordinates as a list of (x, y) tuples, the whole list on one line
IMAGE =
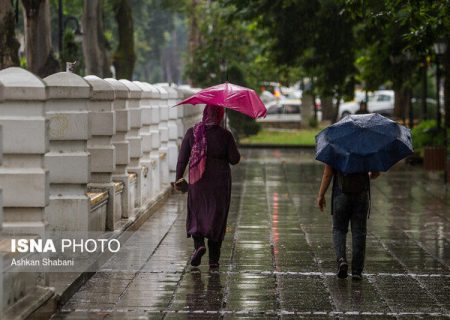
[(283, 110), (381, 101)]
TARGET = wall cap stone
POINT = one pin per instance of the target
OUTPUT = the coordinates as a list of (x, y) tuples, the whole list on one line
[(135, 90), (101, 89), (146, 92), (67, 85), (122, 91), (20, 84), (172, 93), (163, 92)]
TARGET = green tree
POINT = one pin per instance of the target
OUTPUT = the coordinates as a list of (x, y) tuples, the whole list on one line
[(9, 46), (38, 44), (124, 57), (224, 48), (311, 35)]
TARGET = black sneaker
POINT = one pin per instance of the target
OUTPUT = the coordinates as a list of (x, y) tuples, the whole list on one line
[(357, 276), (197, 255), (342, 269)]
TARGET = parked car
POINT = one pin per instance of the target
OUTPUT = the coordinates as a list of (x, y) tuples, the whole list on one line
[(381, 101), (284, 110)]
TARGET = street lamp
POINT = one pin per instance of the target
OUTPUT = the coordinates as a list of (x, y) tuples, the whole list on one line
[(63, 21), (439, 49)]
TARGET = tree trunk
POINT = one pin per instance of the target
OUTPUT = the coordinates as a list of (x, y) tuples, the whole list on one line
[(94, 50), (401, 103), (38, 45), (9, 46), (326, 104), (336, 108), (447, 85), (194, 33), (124, 57)]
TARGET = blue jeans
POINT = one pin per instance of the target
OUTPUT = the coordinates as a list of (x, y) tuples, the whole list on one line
[(350, 208)]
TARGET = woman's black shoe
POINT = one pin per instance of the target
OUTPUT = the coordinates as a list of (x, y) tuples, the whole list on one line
[(197, 255)]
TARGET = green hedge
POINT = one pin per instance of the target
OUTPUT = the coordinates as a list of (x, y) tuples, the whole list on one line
[(427, 134)]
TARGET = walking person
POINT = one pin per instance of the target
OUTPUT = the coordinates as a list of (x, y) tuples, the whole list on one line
[(208, 149), (350, 204), (354, 150)]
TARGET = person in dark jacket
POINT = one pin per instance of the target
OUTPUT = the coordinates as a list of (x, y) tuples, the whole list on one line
[(209, 149), (350, 203)]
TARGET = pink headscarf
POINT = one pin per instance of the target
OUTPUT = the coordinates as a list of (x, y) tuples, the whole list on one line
[(212, 115)]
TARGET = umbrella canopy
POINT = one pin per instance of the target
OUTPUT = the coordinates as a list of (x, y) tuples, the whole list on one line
[(363, 143), (231, 96)]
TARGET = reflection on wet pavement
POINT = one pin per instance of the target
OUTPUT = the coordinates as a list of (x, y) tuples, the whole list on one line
[(277, 259)]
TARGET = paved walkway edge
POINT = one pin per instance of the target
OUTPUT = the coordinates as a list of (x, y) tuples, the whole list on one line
[(276, 146), (58, 299)]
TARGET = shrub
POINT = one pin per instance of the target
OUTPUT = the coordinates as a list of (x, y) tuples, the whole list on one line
[(427, 134), (312, 122)]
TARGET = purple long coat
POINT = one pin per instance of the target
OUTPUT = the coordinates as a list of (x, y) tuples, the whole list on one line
[(209, 198)]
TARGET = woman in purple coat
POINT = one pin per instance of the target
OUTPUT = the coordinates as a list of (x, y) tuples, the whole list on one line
[(209, 149)]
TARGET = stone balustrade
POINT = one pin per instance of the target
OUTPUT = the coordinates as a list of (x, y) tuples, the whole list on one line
[(81, 154)]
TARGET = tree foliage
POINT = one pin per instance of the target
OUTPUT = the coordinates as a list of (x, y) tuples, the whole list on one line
[(314, 36)]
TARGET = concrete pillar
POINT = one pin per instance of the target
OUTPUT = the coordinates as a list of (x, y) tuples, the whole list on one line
[(122, 145), (148, 93), (180, 114), (68, 158), (152, 160), (164, 134), (103, 153), (156, 142), (135, 139), (191, 114), (23, 176), (172, 146)]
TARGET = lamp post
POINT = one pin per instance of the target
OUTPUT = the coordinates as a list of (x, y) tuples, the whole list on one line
[(63, 21)]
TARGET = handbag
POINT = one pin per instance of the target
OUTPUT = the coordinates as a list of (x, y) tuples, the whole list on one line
[(181, 185)]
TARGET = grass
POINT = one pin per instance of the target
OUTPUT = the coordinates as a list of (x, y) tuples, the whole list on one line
[(301, 137)]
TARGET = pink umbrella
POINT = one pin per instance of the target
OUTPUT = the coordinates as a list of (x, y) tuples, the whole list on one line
[(231, 96)]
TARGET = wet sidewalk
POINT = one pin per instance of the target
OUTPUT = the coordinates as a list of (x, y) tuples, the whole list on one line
[(277, 259)]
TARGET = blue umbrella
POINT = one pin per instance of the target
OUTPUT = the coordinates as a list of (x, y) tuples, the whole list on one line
[(363, 143)]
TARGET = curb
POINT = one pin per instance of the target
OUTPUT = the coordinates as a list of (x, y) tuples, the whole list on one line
[(276, 146)]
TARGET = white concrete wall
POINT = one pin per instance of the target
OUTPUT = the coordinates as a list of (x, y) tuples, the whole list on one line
[(66, 137), (68, 141)]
